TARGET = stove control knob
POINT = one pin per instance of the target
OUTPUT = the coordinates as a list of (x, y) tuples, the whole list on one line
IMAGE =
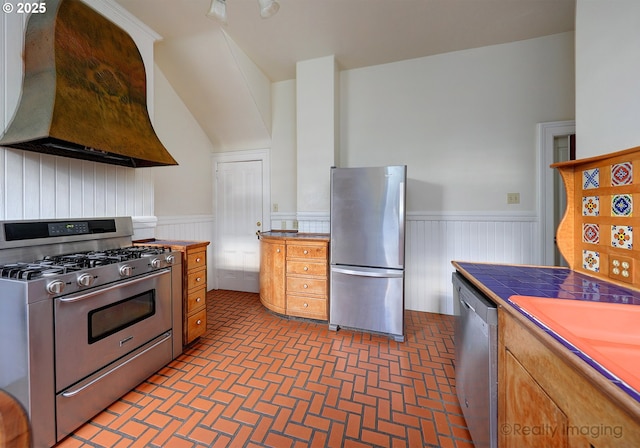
[(85, 280), (170, 259), (156, 263), (126, 270), (55, 287)]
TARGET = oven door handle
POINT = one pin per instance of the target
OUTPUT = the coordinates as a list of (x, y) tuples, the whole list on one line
[(71, 393), (83, 296)]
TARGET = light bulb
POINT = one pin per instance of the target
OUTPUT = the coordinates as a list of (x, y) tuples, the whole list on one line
[(268, 8)]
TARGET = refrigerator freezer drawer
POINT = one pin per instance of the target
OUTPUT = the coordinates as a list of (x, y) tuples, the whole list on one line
[(367, 299)]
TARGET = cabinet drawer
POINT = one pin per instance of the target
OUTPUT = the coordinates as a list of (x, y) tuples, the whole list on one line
[(307, 307), (196, 259), (303, 285), (196, 325), (307, 268), (306, 251), (197, 279), (196, 299)]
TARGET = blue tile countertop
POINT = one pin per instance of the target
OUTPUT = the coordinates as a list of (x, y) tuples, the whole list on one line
[(552, 282)]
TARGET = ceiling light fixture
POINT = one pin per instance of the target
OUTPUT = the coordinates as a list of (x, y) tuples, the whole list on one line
[(268, 8), (218, 9)]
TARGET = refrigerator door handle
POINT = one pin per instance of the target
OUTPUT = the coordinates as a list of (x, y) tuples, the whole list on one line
[(401, 218), (379, 274)]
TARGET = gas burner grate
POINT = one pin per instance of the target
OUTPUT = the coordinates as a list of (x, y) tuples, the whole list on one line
[(30, 271), (63, 264)]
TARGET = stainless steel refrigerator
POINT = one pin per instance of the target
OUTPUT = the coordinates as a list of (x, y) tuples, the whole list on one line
[(367, 249)]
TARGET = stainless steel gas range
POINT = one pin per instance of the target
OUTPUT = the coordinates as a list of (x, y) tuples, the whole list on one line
[(84, 317)]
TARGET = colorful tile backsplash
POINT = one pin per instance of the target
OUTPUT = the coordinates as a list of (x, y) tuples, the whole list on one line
[(590, 179), (603, 217), (622, 174), (591, 233), (590, 206), (621, 205), (591, 260), (622, 237)]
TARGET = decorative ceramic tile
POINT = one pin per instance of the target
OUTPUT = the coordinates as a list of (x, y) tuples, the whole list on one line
[(591, 260), (621, 205), (621, 174), (590, 205), (591, 179), (622, 237), (591, 233)]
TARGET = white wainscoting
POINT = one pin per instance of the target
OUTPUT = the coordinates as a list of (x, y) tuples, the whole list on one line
[(40, 186), (434, 240), (191, 228)]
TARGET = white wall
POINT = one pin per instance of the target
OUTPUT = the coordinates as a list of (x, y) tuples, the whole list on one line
[(283, 148), (316, 110), (463, 122), (185, 189), (607, 81)]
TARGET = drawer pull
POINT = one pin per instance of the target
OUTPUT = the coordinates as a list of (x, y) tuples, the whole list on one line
[(305, 286), (198, 279), (306, 268), (198, 300), (306, 305), (305, 251), (198, 260), (278, 250), (198, 322)]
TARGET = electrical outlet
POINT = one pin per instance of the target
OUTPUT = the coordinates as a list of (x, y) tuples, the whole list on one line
[(275, 206), (295, 224), (283, 225), (621, 268), (513, 198)]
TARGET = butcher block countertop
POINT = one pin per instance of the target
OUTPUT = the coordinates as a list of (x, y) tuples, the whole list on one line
[(170, 243), (292, 234), (594, 322)]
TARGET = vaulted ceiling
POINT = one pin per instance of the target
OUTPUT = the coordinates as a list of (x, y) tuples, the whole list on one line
[(197, 59)]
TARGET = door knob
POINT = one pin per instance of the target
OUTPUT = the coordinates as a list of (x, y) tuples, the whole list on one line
[(258, 223)]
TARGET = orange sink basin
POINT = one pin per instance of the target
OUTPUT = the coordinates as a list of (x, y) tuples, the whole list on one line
[(609, 333)]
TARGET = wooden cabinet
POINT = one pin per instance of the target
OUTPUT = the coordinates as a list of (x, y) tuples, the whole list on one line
[(272, 280), (546, 415), (294, 275), (194, 285), (546, 398), (194, 293), (307, 281)]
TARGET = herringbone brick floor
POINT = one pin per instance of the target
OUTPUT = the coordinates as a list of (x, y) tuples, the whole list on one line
[(259, 380)]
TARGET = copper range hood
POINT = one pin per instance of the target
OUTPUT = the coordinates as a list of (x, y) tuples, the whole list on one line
[(84, 91)]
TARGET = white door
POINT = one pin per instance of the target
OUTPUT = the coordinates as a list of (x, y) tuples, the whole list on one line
[(239, 215)]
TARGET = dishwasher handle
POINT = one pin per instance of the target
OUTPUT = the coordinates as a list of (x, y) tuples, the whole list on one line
[(465, 303)]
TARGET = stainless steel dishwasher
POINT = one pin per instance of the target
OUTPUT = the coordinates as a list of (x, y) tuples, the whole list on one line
[(476, 362)]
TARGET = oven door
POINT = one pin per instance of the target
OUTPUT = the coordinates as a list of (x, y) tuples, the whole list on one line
[(95, 328)]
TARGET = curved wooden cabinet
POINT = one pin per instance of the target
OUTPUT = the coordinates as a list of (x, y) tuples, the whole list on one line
[(272, 281), (294, 274)]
